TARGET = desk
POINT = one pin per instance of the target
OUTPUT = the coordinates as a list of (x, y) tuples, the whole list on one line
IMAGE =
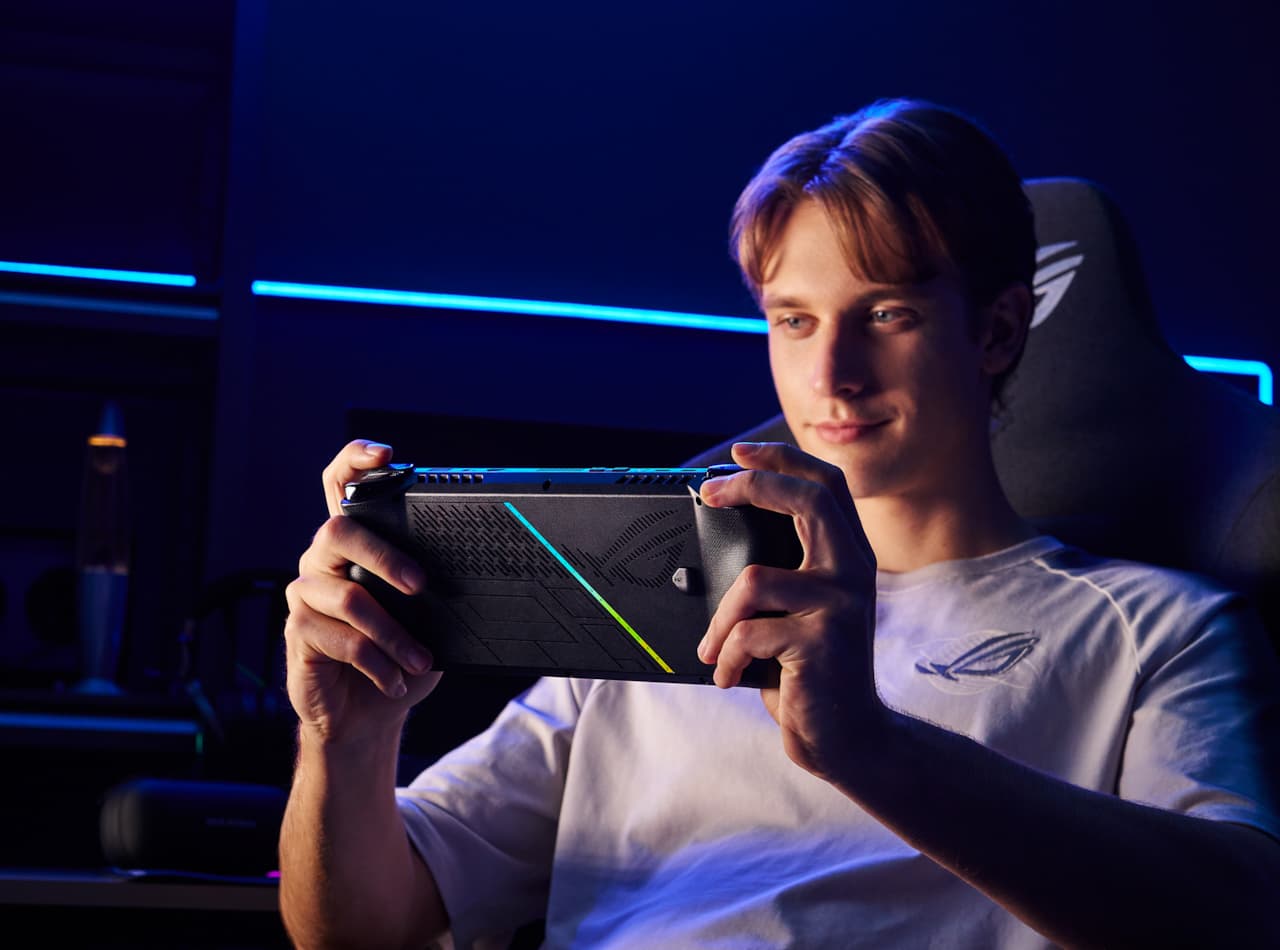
[(114, 911)]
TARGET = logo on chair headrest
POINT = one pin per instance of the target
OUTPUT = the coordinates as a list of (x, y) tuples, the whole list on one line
[(1053, 278)]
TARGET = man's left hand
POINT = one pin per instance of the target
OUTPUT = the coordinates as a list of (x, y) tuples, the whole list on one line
[(823, 636)]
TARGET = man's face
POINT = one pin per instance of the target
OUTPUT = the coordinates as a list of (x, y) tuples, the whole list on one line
[(884, 381)]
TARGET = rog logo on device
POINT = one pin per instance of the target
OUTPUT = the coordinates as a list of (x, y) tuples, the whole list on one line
[(1053, 276), (646, 553)]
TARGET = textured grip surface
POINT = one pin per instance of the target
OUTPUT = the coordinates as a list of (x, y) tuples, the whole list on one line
[(733, 537)]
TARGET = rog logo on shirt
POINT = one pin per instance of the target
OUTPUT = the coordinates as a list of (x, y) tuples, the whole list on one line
[(992, 657)]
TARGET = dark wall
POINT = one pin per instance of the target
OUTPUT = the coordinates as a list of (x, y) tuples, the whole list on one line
[(589, 152), (114, 120), (574, 151)]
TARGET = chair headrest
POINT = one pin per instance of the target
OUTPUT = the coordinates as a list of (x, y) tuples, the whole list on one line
[(1109, 439)]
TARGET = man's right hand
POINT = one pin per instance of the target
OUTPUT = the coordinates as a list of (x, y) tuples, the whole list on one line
[(353, 671)]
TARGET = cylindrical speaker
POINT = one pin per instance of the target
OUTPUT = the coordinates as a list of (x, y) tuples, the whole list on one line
[(211, 827)]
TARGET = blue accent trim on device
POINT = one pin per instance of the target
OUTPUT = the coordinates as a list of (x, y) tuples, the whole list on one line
[(99, 273), (1218, 364), (542, 308)]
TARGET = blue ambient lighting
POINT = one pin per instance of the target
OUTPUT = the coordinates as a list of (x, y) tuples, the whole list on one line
[(173, 727), (99, 273), (129, 307), (664, 318), (542, 308), (1218, 364)]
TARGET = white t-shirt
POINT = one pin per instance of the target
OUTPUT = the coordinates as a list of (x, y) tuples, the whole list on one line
[(647, 814)]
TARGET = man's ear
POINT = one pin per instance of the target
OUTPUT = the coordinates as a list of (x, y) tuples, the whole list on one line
[(1007, 320)]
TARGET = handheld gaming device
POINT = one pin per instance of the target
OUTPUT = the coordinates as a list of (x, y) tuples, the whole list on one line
[(609, 573)]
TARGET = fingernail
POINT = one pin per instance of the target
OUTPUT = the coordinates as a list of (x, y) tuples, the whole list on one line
[(417, 661), (412, 577), (746, 448), (398, 689), (702, 649), (375, 448)]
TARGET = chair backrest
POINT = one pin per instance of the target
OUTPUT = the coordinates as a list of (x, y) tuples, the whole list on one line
[(1108, 439)]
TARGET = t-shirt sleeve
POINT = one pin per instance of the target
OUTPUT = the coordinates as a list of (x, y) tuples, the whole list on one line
[(484, 816), (1206, 724)]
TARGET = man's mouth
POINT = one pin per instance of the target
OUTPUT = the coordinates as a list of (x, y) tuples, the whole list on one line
[(842, 433)]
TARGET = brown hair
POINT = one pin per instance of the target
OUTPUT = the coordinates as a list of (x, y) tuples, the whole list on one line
[(911, 187)]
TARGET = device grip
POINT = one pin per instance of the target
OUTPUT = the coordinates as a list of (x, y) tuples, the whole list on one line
[(733, 537), (404, 609), (730, 538)]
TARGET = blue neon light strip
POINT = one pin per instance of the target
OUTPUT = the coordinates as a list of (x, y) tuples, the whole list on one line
[(130, 307), (589, 589), (541, 308), (544, 308), (1218, 364), (99, 273), (98, 724), (666, 318)]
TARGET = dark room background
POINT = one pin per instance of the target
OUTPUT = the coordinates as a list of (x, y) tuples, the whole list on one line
[(569, 152)]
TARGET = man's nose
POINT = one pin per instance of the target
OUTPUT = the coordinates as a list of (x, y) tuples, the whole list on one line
[(841, 366)]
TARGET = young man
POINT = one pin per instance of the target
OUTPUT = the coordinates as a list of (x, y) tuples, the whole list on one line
[(981, 737)]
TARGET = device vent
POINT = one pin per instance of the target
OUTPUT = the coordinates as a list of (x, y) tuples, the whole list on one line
[(468, 540), (452, 478), (654, 478)]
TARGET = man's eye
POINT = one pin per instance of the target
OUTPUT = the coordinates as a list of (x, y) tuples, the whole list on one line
[(790, 321), (891, 317)]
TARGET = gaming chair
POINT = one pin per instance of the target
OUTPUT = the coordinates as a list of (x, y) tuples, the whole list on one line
[(1108, 439)]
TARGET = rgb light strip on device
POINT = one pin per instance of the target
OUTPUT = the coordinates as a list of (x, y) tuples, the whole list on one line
[(589, 589)]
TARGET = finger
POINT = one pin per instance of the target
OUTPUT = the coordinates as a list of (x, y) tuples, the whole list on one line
[(356, 456), (757, 590), (829, 534), (758, 638), (787, 459), (311, 635), (342, 541), (790, 460), (351, 606)]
